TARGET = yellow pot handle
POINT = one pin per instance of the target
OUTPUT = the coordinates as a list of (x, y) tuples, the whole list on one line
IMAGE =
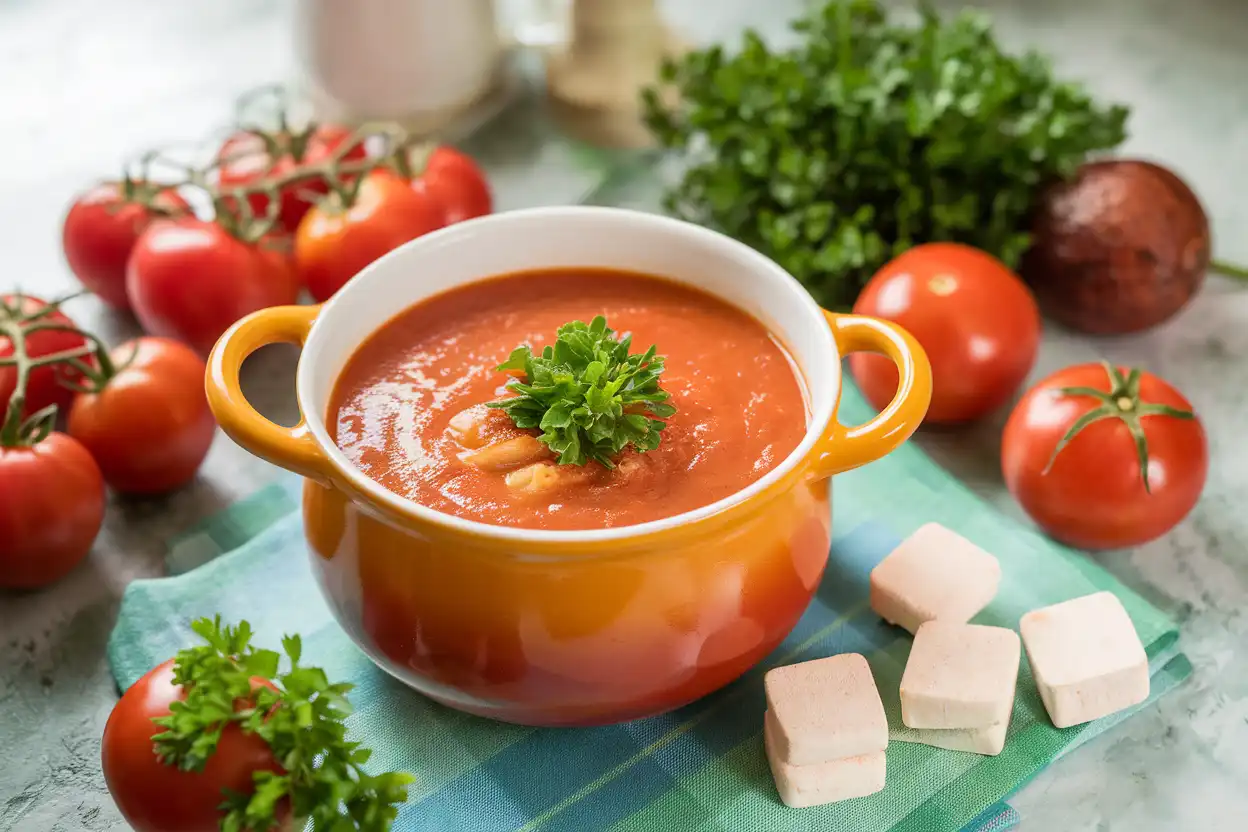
[(843, 448), (291, 448)]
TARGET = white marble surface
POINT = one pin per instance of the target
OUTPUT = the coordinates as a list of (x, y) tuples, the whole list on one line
[(83, 84)]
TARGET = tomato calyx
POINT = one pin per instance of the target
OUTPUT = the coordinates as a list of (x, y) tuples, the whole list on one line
[(413, 161), (232, 211), (142, 191), (95, 379), (283, 139), (1121, 401), (136, 186), (343, 194), (17, 325)]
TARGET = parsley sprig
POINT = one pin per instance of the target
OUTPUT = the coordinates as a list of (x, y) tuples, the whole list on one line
[(302, 722), (867, 136), (588, 395)]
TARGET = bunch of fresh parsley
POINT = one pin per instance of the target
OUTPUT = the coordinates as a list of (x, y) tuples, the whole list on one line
[(302, 722), (869, 137), (589, 397)]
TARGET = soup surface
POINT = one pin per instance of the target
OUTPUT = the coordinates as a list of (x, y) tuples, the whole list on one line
[(408, 409)]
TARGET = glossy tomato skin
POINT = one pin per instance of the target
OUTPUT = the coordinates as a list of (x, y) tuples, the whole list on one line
[(100, 231), (333, 245), (149, 428), (190, 280), (1093, 497), (245, 161), (154, 797), (977, 321), (51, 509), (455, 181), (43, 385)]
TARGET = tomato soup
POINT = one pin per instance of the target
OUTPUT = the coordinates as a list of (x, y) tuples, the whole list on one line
[(409, 408)]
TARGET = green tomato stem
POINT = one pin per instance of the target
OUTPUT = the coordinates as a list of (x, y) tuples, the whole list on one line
[(50, 358), (1231, 270), (11, 429)]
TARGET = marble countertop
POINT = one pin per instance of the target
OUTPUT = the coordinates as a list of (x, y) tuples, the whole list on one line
[(87, 84)]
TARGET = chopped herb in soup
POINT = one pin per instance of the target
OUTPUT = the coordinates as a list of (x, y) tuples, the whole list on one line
[(572, 429)]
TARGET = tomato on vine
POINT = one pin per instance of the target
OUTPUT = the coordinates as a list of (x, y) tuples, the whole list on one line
[(100, 230), (51, 490), (45, 330), (357, 224), (251, 157), (1104, 458), (191, 279), (144, 416), (456, 183), (976, 320)]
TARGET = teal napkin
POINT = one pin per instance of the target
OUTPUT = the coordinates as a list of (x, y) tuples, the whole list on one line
[(699, 768)]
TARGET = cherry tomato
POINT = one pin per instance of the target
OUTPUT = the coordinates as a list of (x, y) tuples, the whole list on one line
[(43, 385), (456, 183), (99, 233), (154, 797), (1121, 480), (190, 280), (51, 509), (334, 243), (148, 426), (246, 160), (975, 318)]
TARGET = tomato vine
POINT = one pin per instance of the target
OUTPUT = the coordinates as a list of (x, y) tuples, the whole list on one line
[(341, 174)]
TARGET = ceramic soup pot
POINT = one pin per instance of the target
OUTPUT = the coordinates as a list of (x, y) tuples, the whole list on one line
[(568, 627)]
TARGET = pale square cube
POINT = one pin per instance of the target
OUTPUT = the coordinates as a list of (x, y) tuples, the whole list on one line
[(960, 676), (814, 785), (826, 709), (1086, 657), (934, 573), (989, 741)]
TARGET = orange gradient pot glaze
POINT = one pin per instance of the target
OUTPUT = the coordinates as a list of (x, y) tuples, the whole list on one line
[(578, 640), (558, 626)]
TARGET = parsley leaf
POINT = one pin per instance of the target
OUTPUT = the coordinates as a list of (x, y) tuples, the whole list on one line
[(302, 722), (868, 137), (587, 394)]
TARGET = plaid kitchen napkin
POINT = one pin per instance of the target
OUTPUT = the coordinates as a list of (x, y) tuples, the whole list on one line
[(701, 768)]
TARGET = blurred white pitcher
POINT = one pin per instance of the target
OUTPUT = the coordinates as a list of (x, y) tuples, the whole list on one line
[(419, 62)]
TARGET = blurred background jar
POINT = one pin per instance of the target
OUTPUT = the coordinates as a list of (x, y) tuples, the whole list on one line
[(423, 63)]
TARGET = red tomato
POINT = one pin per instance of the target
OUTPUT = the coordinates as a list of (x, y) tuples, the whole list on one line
[(51, 509), (245, 160), (149, 426), (154, 797), (99, 233), (43, 387), (333, 243), (1094, 492), (456, 183), (975, 318), (190, 280)]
